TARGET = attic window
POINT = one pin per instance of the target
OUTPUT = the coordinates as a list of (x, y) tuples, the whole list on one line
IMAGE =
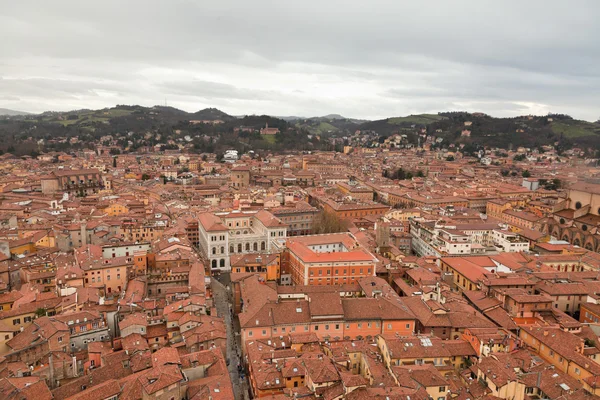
[(152, 380)]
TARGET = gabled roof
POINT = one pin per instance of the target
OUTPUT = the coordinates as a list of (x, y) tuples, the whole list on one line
[(38, 332), (211, 223)]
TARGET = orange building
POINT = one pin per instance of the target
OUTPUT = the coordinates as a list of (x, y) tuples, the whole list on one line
[(353, 209), (266, 265), (330, 259), (329, 317), (140, 262), (521, 219), (590, 313)]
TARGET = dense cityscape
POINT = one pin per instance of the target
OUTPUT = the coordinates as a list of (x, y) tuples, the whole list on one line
[(300, 200), (392, 266)]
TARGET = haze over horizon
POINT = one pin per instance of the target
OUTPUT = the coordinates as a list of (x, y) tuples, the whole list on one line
[(305, 59)]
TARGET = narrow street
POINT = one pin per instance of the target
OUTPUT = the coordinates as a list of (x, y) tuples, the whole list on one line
[(223, 305)]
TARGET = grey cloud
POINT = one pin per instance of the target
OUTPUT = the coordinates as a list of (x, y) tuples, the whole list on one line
[(54, 87), (384, 57), (214, 90)]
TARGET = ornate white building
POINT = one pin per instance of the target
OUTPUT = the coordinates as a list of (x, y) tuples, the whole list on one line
[(237, 232)]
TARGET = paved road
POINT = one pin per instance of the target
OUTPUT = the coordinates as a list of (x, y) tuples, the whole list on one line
[(223, 305)]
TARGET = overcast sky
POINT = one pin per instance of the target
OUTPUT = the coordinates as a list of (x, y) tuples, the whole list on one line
[(363, 59)]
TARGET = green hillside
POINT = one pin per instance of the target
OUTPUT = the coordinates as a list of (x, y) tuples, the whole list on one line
[(418, 119), (575, 128)]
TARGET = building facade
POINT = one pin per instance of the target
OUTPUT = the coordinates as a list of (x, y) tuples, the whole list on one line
[(237, 232)]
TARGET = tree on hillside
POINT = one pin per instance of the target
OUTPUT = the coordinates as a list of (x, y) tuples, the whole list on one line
[(469, 149), (526, 174)]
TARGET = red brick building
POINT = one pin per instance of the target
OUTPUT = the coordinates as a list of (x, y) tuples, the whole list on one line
[(330, 259)]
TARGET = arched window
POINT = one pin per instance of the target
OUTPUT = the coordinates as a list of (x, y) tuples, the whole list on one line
[(222, 263), (562, 221), (239, 247), (222, 249), (214, 263), (263, 246), (247, 246), (578, 205), (584, 228), (255, 246), (231, 250), (214, 250)]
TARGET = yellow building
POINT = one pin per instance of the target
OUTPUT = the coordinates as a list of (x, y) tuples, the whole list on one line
[(7, 332), (466, 274), (567, 352), (356, 191), (21, 246), (424, 350), (7, 300), (116, 209), (495, 207)]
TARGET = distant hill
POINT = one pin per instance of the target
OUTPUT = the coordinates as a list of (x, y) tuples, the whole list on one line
[(132, 127), (12, 113), (328, 124), (529, 131), (290, 118), (333, 116), (397, 124), (211, 114)]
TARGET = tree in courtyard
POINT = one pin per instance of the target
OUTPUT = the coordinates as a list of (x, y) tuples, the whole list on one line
[(328, 222)]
